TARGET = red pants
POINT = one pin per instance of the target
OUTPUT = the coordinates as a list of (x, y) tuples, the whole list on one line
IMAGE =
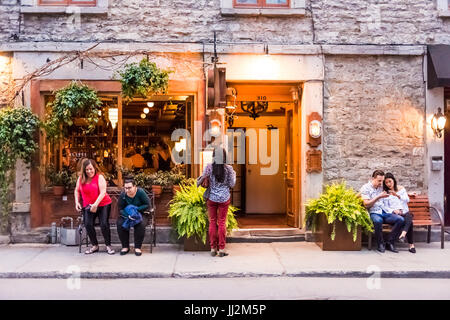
[(222, 208)]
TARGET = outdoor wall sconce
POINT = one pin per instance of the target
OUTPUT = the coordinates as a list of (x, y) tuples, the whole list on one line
[(215, 127), (229, 113), (315, 129), (113, 116), (143, 115), (438, 123), (146, 110), (314, 136), (150, 104)]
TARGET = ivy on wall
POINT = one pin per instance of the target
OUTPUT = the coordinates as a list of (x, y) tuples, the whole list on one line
[(18, 127)]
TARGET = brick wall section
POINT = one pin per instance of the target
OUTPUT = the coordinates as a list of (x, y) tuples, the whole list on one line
[(165, 21), (374, 114), (379, 22), (9, 19), (335, 22)]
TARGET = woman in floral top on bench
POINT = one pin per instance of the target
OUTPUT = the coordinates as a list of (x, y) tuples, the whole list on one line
[(397, 203)]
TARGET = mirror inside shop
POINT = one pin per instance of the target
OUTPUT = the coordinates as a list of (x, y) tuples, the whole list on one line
[(147, 126)]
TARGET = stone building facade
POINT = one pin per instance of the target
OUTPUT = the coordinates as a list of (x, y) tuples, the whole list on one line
[(363, 62)]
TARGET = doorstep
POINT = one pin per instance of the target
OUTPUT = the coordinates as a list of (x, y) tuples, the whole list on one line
[(266, 235)]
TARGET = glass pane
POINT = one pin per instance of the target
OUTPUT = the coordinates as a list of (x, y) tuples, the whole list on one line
[(246, 1), (83, 2), (52, 2), (277, 2)]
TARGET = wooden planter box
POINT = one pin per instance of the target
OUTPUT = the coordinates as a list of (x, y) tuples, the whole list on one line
[(195, 244), (343, 240)]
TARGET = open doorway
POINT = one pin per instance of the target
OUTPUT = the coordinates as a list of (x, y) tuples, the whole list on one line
[(266, 200)]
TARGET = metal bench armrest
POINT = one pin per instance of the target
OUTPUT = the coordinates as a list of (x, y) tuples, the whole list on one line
[(439, 214)]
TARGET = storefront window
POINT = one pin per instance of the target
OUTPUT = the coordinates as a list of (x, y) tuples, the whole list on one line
[(86, 3), (261, 3), (144, 124)]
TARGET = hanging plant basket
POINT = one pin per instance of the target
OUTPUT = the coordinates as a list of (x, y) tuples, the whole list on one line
[(76, 100), (143, 79)]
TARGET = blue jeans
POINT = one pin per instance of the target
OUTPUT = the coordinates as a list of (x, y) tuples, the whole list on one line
[(393, 219)]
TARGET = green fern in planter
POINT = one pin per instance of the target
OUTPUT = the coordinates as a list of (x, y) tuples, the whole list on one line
[(339, 202), (189, 214)]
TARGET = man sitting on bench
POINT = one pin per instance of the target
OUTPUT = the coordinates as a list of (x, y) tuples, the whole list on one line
[(372, 194)]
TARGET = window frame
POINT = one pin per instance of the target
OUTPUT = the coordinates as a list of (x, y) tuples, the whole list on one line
[(68, 3), (261, 4)]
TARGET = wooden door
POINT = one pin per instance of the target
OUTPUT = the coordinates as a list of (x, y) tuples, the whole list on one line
[(291, 166), (447, 159), (238, 192)]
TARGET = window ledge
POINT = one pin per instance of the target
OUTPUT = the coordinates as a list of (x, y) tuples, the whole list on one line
[(444, 14), (269, 12), (63, 10)]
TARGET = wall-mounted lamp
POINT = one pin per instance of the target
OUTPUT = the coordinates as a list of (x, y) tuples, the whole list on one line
[(215, 127), (315, 129), (295, 94), (146, 110), (143, 115), (113, 116), (314, 136), (150, 104), (438, 123)]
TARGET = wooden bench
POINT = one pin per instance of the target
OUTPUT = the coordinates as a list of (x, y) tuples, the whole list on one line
[(114, 193), (424, 216)]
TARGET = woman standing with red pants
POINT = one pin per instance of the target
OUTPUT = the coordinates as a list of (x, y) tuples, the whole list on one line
[(219, 177)]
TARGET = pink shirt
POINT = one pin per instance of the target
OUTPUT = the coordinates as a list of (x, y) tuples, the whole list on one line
[(91, 191)]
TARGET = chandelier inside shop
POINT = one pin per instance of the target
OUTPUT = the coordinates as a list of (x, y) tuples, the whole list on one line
[(254, 108)]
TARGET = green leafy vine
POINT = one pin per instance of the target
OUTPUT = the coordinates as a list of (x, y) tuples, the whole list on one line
[(18, 127)]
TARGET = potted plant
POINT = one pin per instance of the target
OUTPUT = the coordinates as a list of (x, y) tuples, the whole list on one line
[(143, 180), (337, 217), (160, 180), (143, 79), (59, 179), (176, 180), (76, 100), (188, 213)]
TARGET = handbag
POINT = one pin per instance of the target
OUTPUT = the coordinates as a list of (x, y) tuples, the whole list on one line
[(206, 184)]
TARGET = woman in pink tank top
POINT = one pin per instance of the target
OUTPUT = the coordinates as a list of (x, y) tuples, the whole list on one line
[(96, 203)]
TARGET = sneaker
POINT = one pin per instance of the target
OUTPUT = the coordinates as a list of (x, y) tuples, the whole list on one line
[(213, 252), (412, 250), (222, 253)]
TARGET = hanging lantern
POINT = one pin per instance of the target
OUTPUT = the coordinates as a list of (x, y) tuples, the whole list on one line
[(113, 116)]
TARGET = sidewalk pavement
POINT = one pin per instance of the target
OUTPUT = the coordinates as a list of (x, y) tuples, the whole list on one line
[(277, 259)]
